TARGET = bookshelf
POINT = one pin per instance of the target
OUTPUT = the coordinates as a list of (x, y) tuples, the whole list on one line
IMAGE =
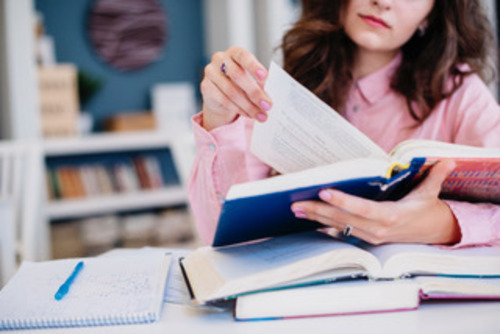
[(79, 208), (105, 142), (170, 194)]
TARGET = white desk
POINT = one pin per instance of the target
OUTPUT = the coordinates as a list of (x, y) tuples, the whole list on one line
[(432, 317), (439, 317)]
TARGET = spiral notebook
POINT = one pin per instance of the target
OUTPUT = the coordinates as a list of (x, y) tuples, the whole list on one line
[(108, 291)]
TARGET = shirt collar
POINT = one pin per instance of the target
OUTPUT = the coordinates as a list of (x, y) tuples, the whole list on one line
[(375, 85)]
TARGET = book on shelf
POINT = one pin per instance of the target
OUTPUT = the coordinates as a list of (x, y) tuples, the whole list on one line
[(315, 258), (153, 169), (142, 173), (67, 182), (105, 179), (319, 149), (77, 182), (51, 190), (124, 289), (359, 297)]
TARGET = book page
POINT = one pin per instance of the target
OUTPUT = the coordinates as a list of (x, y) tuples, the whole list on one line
[(251, 259), (401, 259), (302, 131), (176, 291), (409, 149), (226, 272), (446, 287)]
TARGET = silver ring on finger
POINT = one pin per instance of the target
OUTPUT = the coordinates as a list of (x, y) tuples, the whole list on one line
[(347, 231)]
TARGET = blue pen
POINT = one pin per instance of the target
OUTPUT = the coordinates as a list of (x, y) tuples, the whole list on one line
[(64, 288)]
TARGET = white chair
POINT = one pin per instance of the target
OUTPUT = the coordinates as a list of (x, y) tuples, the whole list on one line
[(24, 229), (8, 258)]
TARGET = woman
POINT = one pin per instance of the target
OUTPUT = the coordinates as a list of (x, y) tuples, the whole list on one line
[(396, 69)]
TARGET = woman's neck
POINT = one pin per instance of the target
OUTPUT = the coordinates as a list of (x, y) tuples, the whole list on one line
[(366, 62)]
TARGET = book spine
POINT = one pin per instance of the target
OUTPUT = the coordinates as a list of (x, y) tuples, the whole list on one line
[(142, 175), (154, 171), (403, 182)]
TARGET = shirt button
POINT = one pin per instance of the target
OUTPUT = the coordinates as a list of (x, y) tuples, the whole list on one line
[(355, 108), (211, 147)]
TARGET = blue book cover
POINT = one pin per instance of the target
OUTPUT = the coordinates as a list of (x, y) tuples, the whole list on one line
[(268, 215)]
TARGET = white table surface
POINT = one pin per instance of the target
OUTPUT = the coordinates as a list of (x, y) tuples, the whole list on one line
[(432, 317), (440, 317)]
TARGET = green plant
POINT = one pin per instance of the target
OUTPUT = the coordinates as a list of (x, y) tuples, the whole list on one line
[(88, 86)]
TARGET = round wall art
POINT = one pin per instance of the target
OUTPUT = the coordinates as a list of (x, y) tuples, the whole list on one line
[(128, 34)]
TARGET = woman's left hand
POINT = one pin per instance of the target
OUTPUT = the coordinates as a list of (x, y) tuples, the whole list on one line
[(419, 217)]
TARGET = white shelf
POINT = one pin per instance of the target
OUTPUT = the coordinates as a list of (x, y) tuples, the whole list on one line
[(98, 143), (77, 208)]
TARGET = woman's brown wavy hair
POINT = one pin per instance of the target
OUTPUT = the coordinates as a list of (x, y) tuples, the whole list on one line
[(319, 54)]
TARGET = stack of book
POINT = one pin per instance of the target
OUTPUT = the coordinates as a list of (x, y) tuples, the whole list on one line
[(275, 266), (324, 276)]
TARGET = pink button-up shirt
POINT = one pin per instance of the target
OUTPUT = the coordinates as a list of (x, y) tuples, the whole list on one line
[(471, 116)]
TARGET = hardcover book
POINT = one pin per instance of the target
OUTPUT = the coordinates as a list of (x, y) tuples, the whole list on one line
[(320, 149), (358, 297), (315, 258)]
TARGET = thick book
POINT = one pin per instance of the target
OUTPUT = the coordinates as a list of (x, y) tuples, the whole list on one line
[(107, 291), (313, 258), (319, 149), (359, 297)]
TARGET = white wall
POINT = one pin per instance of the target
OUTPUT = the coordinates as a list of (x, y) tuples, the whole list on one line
[(256, 25), (273, 18), (228, 23), (18, 83)]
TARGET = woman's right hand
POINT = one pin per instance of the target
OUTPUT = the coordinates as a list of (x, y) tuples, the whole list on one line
[(238, 91)]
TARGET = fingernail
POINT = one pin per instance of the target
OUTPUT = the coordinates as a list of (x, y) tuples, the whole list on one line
[(300, 215), (299, 212), (264, 105), (261, 74), (261, 117), (325, 195)]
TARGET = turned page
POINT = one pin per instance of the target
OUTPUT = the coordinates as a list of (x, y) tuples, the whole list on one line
[(302, 131)]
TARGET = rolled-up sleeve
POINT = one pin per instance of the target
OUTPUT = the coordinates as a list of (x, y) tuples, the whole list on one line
[(479, 223), (477, 123), (223, 159)]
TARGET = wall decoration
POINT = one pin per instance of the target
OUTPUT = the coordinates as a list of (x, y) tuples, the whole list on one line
[(128, 34)]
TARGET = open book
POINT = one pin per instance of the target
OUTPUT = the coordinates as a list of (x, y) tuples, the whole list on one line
[(319, 149), (311, 258), (108, 291), (355, 297)]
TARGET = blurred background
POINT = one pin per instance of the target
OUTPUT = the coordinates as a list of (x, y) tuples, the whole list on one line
[(95, 102)]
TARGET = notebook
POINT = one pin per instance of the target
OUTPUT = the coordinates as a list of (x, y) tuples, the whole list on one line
[(117, 290)]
